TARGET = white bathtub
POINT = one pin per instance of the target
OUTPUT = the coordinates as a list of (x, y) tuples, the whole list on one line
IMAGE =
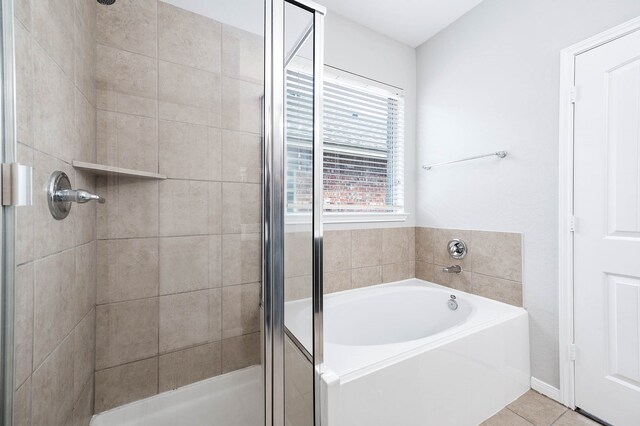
[(396, 354)]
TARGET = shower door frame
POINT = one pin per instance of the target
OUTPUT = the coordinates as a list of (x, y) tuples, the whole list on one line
[(8, 146), (274, 196)]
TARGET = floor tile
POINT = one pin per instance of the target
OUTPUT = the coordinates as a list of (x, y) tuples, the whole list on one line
[(537, 408), (506, 417)]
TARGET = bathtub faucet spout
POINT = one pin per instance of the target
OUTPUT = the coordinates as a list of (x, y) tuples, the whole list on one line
[(455, 269)]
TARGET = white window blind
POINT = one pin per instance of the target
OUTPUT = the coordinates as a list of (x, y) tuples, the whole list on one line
[(363, 147)]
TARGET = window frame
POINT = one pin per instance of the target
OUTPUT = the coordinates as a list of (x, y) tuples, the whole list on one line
[(357, 81)]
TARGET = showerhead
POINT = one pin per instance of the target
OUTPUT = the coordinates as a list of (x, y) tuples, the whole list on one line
[(107, 2)]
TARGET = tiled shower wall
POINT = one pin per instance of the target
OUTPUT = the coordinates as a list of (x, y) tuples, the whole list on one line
[(178, 259), (55, 283)]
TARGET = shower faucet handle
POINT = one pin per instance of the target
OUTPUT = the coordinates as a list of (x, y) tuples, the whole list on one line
[(79, 196), (60, 196)]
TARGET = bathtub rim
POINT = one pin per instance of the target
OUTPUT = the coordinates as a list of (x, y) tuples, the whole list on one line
[(441, 338)]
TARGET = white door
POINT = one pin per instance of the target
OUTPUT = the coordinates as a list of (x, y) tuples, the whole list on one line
[(607, 237)]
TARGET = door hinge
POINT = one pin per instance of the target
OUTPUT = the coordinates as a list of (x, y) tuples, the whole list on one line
[(572, 352), (573, 94), (17, 184), (572, 224)]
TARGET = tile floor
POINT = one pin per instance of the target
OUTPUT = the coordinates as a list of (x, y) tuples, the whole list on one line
[(536, 409)]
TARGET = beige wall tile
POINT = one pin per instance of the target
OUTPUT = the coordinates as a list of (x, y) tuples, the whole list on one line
[(53, 28), (24, 84), (242, 54), (498, 289), (241, 157), (363, 277), (241, 208), (240, 310), (189, 95), (131, 210), (54, 100), (184, 320), (461, 281), (188, 38), (23, 329), (242, 105), (398, 271), (84, 353), (128, 141), (129, 25), (441, 277), (189, 151), (398, 245), (296, 288), (52, 387), (335, 281), (366, 247), (126, 331), (85, 48), (215, 314), (498, 254), (127, 269), (215, 261), (337, 250), (424, 271), (239, 352), (85, 134), (298, 254), (85, 215), (125, 383), (441, 255), (190, 207), (109, 100), (22, 11), (184, 264), (126, 72), (241, 260), (83, 407), (86, 280), (424, 244), (22, 405), (189, 366), (50, 235), (54, 303)]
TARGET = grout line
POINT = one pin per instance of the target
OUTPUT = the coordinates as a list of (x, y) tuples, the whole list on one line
[(523, 418)]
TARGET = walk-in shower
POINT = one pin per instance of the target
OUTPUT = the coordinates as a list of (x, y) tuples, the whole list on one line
[(164, 303)]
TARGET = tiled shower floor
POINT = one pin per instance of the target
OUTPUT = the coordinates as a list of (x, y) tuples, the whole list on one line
[(533, 408)]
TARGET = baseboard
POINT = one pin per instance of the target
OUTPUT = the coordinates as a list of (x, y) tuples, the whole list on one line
[(546, 389)]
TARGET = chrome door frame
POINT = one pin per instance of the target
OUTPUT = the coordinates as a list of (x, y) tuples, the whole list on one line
[(274, 196), (8, 146)]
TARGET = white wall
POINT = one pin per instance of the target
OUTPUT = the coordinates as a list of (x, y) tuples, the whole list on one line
[(489, 82), (359, 50)]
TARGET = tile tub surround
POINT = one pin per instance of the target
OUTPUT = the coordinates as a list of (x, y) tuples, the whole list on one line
[(55, 280), (179, 259), (492, 267)]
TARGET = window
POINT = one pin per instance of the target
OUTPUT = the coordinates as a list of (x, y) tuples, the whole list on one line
[(363, 146)]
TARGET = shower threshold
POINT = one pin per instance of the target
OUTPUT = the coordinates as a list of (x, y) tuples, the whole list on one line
[(232, 399)]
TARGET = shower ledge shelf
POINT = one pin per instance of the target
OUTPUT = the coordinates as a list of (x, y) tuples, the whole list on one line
[(101, 169)]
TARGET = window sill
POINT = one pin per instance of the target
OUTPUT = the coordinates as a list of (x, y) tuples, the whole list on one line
[(301, 219)]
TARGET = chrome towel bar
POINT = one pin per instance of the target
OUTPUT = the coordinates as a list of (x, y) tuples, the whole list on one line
[(500, 154)]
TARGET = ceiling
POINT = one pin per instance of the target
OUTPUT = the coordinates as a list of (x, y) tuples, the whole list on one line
[(411, 22)]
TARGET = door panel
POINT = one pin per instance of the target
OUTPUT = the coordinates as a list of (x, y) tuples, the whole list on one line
[(607, 238)]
